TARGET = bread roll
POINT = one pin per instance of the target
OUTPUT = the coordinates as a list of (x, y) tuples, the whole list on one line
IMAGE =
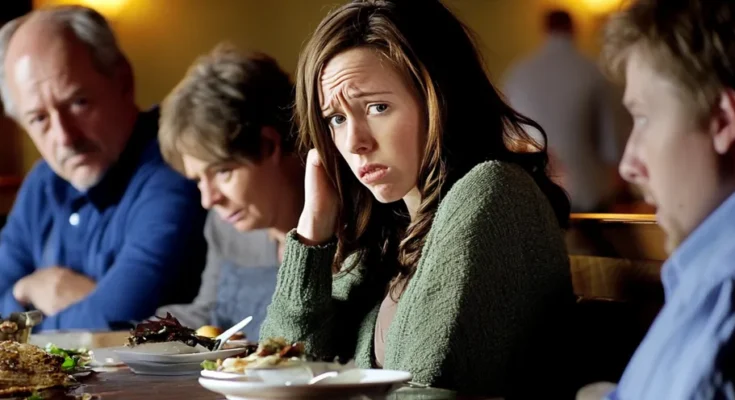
[(209, 331)]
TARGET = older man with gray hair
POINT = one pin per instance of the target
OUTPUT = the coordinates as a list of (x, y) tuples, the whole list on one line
[(103, 231)]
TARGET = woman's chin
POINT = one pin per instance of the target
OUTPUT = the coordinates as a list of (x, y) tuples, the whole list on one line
[(386, 194), (247, 225)]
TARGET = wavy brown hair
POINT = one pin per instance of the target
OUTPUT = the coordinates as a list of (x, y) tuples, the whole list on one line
[(467, 123)]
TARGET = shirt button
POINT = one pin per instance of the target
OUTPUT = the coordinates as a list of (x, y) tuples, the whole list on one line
[(74, 219)]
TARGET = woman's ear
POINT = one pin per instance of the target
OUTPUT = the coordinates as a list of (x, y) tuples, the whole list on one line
[(270, 144), (723, 135)]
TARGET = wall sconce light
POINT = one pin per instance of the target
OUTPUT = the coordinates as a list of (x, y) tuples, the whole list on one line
[(602, 7)]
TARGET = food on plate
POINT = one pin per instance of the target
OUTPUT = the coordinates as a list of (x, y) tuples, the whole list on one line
[(214, 331), (167, 329), (25, 368), (209, 331), (17, 326), (8, 327), (270, 353), (210, 365), (74, 360)]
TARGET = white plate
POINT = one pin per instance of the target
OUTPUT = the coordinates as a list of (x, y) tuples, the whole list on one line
[(225, 375), (128, 356), (373, 383), (166, 348), (105, 357), (149, 368), (295, 374)]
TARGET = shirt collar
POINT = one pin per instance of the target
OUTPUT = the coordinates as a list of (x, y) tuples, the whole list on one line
[(696, 259), (114, 182)]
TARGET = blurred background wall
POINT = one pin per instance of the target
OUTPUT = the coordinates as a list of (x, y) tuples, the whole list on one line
[(162, 37)]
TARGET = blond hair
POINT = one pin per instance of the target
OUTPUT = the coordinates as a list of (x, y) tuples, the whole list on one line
[(689, 42)]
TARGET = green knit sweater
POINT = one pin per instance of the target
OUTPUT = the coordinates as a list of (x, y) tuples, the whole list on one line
[(481, 313)]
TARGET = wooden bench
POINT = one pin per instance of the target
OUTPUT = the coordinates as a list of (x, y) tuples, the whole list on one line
[(615, 263)]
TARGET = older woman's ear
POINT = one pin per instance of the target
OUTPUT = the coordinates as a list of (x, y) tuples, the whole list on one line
[(270, 143)]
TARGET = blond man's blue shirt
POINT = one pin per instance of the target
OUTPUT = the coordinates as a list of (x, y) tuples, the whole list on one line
[(688, 351)]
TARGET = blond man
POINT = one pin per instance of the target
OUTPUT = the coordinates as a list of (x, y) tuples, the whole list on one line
[(677, 58)]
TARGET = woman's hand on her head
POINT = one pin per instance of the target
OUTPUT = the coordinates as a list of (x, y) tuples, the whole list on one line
[(319, 217)]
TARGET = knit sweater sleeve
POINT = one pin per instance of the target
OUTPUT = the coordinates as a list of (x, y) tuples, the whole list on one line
[(312, 305), (478, 288)]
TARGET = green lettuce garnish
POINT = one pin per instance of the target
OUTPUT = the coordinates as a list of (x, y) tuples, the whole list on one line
[(73, 359), (209, 365)]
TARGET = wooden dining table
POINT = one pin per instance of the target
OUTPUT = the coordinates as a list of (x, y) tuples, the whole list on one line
[(122, 384)]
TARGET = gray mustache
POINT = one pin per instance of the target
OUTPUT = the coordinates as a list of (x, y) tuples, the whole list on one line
[(63, 154)]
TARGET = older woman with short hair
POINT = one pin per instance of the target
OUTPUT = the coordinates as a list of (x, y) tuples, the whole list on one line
[(227, 126)]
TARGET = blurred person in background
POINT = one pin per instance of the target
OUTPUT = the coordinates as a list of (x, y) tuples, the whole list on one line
[(579, 110)]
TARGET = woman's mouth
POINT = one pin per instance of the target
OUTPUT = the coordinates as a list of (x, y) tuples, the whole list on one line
[(371, 173), (235, 216)]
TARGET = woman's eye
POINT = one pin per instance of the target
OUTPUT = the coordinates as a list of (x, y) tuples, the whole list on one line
[(337, 120), (377, 108)]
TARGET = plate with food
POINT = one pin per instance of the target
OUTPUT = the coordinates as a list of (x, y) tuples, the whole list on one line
[(163, 341), (276, 360), (103, 357), (373, 383), (128, 356)]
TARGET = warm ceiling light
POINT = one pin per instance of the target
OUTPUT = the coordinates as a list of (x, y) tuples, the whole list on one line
[(602, 6)]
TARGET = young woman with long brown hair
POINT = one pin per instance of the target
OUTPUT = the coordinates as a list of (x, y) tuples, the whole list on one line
[(431, 236)]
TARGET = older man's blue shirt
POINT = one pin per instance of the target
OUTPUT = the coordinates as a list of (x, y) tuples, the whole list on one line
[(138, 233), (688, 351)]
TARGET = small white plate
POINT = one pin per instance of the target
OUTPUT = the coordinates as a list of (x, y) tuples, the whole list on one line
[(373, 383), (128, 356)]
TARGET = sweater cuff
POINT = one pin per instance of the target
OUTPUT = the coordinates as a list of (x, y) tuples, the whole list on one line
[(305, 277)]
